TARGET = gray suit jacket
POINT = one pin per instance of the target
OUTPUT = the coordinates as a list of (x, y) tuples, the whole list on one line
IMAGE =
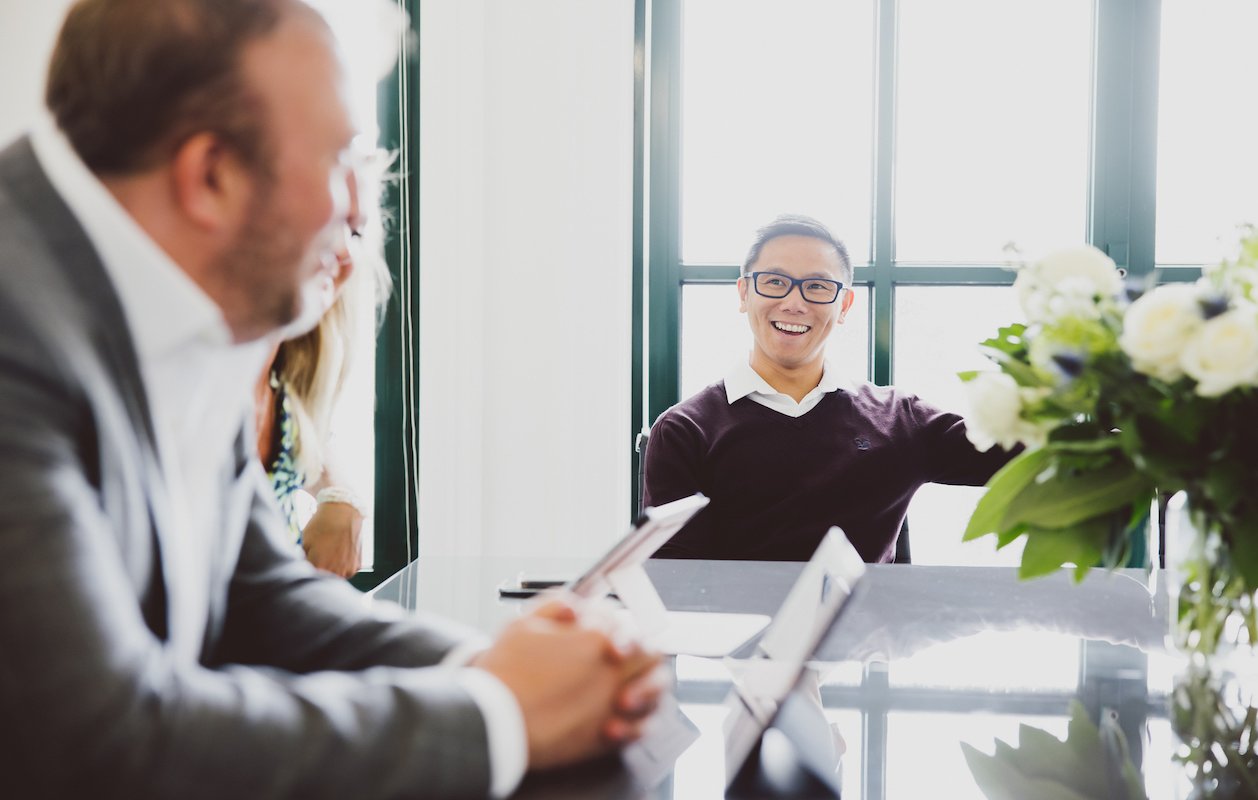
[(302, 690)]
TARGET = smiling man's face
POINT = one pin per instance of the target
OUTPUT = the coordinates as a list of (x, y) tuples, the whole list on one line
[(790, 333)]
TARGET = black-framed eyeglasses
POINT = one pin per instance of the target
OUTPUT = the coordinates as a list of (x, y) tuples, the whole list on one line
[(775, 285)]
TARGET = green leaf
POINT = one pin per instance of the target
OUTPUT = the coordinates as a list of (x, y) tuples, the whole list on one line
[(1081, 571), (1014, 367), (1009, 339), (1244, 546), (1092, 763), (1048, 549), (1008, 537), (1228, 482), (1042, 755), (1074, 497), (1001, 781), (1109, 444), (1165, 440), (1001, 489), (1085, 740), (1081, 734)]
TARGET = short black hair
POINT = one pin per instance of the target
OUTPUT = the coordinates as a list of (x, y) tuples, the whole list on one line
[(798, 225)]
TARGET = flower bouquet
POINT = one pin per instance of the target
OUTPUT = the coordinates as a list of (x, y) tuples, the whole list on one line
[(1121, 390)]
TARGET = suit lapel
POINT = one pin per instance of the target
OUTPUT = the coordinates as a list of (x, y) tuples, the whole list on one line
[(93, 292), (240, 492)]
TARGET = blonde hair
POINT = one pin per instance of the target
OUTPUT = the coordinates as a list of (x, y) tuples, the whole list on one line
[(313, 367)]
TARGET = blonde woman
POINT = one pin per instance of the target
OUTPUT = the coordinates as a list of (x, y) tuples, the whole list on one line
[(296, 395)]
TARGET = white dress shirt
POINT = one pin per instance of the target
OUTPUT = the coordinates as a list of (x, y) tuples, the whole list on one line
[(197, 382), (743, 381), (199, 388)]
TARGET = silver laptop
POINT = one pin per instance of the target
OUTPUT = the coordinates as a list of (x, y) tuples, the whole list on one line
[(771, 689)]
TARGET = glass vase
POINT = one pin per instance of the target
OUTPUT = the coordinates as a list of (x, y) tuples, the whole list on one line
[(1214, 718), (1212, 610)]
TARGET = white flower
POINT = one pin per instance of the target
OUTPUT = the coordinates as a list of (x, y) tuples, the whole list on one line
[(1067, 283), (1074, 297), (1224, 353), (1053, 358), (996, 413), (1157, 327)]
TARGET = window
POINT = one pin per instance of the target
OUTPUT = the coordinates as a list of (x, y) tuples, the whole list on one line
[(928, 143), (372, 426), (1207, 164), (991, 128), (766, 128)]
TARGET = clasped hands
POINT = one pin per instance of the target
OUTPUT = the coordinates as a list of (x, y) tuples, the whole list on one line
[(585, 683)]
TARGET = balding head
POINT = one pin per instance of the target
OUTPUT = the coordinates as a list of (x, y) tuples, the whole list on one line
[(130, 80)]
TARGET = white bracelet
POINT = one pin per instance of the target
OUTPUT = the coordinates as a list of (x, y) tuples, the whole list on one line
[(342, 494)]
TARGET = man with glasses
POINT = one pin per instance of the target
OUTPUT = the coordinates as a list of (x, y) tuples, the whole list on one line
[(782, 445)]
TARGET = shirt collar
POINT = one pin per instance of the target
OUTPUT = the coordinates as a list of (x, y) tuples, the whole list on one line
[(164, 308), (741, 380)]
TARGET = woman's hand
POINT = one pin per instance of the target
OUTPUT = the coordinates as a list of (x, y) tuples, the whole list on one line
[(330, 539)]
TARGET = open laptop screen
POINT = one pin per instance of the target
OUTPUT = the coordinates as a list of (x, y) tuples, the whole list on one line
[(655, 527), (811, 609)]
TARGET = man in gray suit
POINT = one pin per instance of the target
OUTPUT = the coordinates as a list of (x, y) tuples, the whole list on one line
[(158, 636)]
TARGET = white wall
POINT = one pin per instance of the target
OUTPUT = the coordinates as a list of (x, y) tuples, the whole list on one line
[(526, 182), (526, 162), (27, 30)]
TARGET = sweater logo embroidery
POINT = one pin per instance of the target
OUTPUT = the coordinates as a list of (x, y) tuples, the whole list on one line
[(862, 443)]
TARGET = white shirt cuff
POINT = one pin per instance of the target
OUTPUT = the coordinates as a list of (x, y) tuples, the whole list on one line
[(504, 728)]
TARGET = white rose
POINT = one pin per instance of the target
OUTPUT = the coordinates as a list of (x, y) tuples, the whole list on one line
[(995, 416), (1034, 302), (1074, 297), (1224, 353), (1067, 282), (1157, 327)]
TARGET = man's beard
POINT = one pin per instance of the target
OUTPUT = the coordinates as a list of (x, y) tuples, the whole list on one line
[(262, 268)]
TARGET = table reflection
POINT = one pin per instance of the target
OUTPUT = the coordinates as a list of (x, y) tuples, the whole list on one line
[(925, 659)]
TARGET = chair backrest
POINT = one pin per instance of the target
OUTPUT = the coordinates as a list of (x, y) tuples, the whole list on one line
[(639, 446), (902, 554)]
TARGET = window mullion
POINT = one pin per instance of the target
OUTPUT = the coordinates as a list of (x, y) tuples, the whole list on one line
[(637, 383), (1144, 145), (1124, 149), (882, 329), (663, 374), (396, 522)]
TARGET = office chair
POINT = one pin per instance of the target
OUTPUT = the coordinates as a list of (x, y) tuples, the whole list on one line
[(902, 554), (639, 446)]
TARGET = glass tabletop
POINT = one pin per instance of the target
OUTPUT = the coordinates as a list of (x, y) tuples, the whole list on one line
[(926, 660)]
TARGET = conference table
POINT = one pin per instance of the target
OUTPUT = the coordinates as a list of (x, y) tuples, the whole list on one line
[(923, 659)]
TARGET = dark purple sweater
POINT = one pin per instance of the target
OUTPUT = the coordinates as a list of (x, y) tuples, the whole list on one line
[(778, 483)]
